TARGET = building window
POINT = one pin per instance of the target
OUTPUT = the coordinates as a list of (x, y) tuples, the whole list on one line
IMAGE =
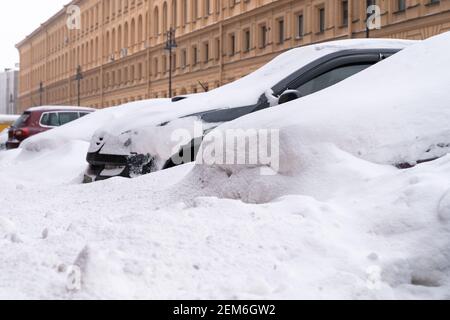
[(195, 9), (217, 49), (321, 20), (300, 26), (185, 12), (262, 36), (208, 7), (344, 9), (174, 61), (183, 58), (206, 52), (194, 55), (370, 3), (232, 42), (247, 42), (280, 24), (401, 5)]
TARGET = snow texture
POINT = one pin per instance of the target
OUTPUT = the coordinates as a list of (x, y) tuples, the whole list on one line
[(337, 221)]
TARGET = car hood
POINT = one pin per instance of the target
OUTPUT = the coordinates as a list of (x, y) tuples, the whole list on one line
[(161, 142)]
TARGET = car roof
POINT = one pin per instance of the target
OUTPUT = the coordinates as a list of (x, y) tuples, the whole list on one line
[(59, 108)]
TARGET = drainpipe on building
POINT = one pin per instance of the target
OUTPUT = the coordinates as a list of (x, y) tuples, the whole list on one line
[(221, 44), (350, 19), (101, 44)]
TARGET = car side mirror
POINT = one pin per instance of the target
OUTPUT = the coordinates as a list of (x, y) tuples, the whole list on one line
[(289, 95)]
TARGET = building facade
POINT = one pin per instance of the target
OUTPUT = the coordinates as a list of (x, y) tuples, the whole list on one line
[(120, 44), (8, 91)]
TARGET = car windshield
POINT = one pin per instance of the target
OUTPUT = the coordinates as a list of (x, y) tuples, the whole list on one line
[(22, 120)]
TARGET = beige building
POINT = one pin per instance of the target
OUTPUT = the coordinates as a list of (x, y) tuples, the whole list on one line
[(120, 44)]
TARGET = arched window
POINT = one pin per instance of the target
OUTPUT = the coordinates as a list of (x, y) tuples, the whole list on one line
[(164, 18), (140, 30), (174, 13), (119, 38), (133, 33), (156, 22), (113, 41), (107, 43), (125, 35), (185, 12)]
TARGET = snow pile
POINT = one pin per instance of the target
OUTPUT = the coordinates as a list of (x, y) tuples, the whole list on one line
[(398, 112), (64, 164), (156, 237), (337, 221)]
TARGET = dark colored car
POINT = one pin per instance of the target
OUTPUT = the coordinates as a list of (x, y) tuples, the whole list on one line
[(40, 119), (328, 69)]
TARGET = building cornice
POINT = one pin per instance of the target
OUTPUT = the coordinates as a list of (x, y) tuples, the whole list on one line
[(44, 25)]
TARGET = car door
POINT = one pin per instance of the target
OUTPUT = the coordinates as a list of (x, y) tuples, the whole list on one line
[(48, 120)]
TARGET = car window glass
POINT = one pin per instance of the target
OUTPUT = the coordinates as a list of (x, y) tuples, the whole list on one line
[(45, 120), (66, 117), (53, 120), (330, 78), (21, 122), (82, 114)]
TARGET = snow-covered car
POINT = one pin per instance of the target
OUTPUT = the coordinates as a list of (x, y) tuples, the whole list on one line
[(393, 116), (129, 151)]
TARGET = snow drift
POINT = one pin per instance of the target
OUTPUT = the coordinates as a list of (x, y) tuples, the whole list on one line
[(393, 113), (338, 220)]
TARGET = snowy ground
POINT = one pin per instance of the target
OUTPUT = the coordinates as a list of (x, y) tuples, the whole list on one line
[(175, 239), (338, 220)]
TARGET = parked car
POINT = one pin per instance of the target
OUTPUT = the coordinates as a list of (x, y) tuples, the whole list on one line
[(40, 119), (292, 75)]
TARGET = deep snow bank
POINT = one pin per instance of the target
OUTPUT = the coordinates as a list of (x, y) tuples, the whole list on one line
[(156, 237), (331, 224), (394, 112)]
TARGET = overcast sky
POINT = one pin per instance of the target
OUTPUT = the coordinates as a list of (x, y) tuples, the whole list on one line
[(18, 18)]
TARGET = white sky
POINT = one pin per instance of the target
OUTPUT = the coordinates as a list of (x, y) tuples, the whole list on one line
[(18, 18)]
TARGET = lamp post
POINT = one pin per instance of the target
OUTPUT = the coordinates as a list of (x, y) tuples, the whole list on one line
[(79, 77), (11, 104), (41, 91), (170, 45)]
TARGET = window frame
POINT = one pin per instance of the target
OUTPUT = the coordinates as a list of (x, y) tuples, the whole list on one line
[(327, 63), (58, 112)]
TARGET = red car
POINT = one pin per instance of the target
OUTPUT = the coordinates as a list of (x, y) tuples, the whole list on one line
[(40, 119)]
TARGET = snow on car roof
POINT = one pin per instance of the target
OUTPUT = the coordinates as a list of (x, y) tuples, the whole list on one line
[(59, 108), (247, 90)]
